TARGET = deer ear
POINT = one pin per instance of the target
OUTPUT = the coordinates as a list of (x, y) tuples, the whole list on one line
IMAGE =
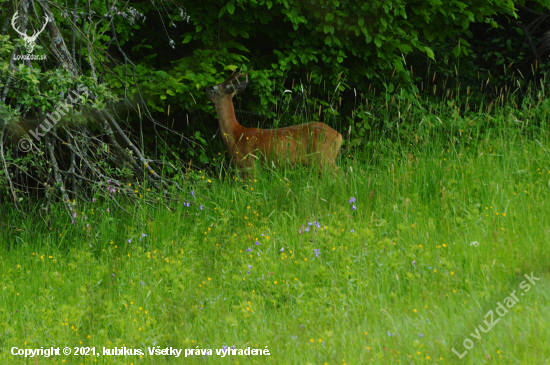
[(231, 88), (240, 88)]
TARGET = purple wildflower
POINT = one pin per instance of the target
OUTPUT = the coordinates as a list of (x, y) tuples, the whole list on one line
[(248, 250), (130, 240), (352, 200), (107, 210), (72, 221), (317, 225), (353, 230), (353, 207), (307, 229), (141, 282), (200, 207), (414, 262), (317, 252), (257, 243), (93, 200), (309, 223), (193, 193), (422, 335), (282, 249), (300, 231)]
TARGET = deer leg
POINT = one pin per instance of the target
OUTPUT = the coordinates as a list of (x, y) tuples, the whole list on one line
[(336, 170), (247, 168)]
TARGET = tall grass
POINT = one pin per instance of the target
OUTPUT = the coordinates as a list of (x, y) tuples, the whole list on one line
[(448, 215)]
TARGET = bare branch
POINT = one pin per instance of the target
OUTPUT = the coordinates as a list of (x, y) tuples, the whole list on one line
[(14, 194), (58, 43)]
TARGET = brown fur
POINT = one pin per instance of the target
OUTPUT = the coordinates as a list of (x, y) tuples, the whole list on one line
[(311, 144)]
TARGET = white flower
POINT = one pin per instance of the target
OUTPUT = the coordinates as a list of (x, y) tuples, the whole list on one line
[(475, 243)]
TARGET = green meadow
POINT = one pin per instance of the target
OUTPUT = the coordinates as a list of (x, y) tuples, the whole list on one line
[(416, 247)]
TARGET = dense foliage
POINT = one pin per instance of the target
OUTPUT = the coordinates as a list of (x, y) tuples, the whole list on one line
[(347, 63)]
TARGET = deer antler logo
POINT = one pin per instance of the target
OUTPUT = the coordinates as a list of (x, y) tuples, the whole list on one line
[(29, 42)]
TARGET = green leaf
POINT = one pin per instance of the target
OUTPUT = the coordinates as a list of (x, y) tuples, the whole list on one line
[(222, 11), (378, 42), (519, 31), (456, 50), (231, 7), (465, 23), (328, 40), (429, 52), (329, 17), (187, 39), (328, 28)]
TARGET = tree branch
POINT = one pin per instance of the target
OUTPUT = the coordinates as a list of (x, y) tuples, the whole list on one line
[(58, 43)]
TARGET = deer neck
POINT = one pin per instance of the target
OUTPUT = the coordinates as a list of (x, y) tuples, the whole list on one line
[(230, 128)]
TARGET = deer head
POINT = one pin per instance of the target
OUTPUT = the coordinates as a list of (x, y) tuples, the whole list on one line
[(29, 42), (228, 88)]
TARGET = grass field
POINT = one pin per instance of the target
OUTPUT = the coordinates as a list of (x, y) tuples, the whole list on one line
[(410, 252)]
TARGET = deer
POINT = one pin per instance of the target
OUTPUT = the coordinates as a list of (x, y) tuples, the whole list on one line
[(314, 144)]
